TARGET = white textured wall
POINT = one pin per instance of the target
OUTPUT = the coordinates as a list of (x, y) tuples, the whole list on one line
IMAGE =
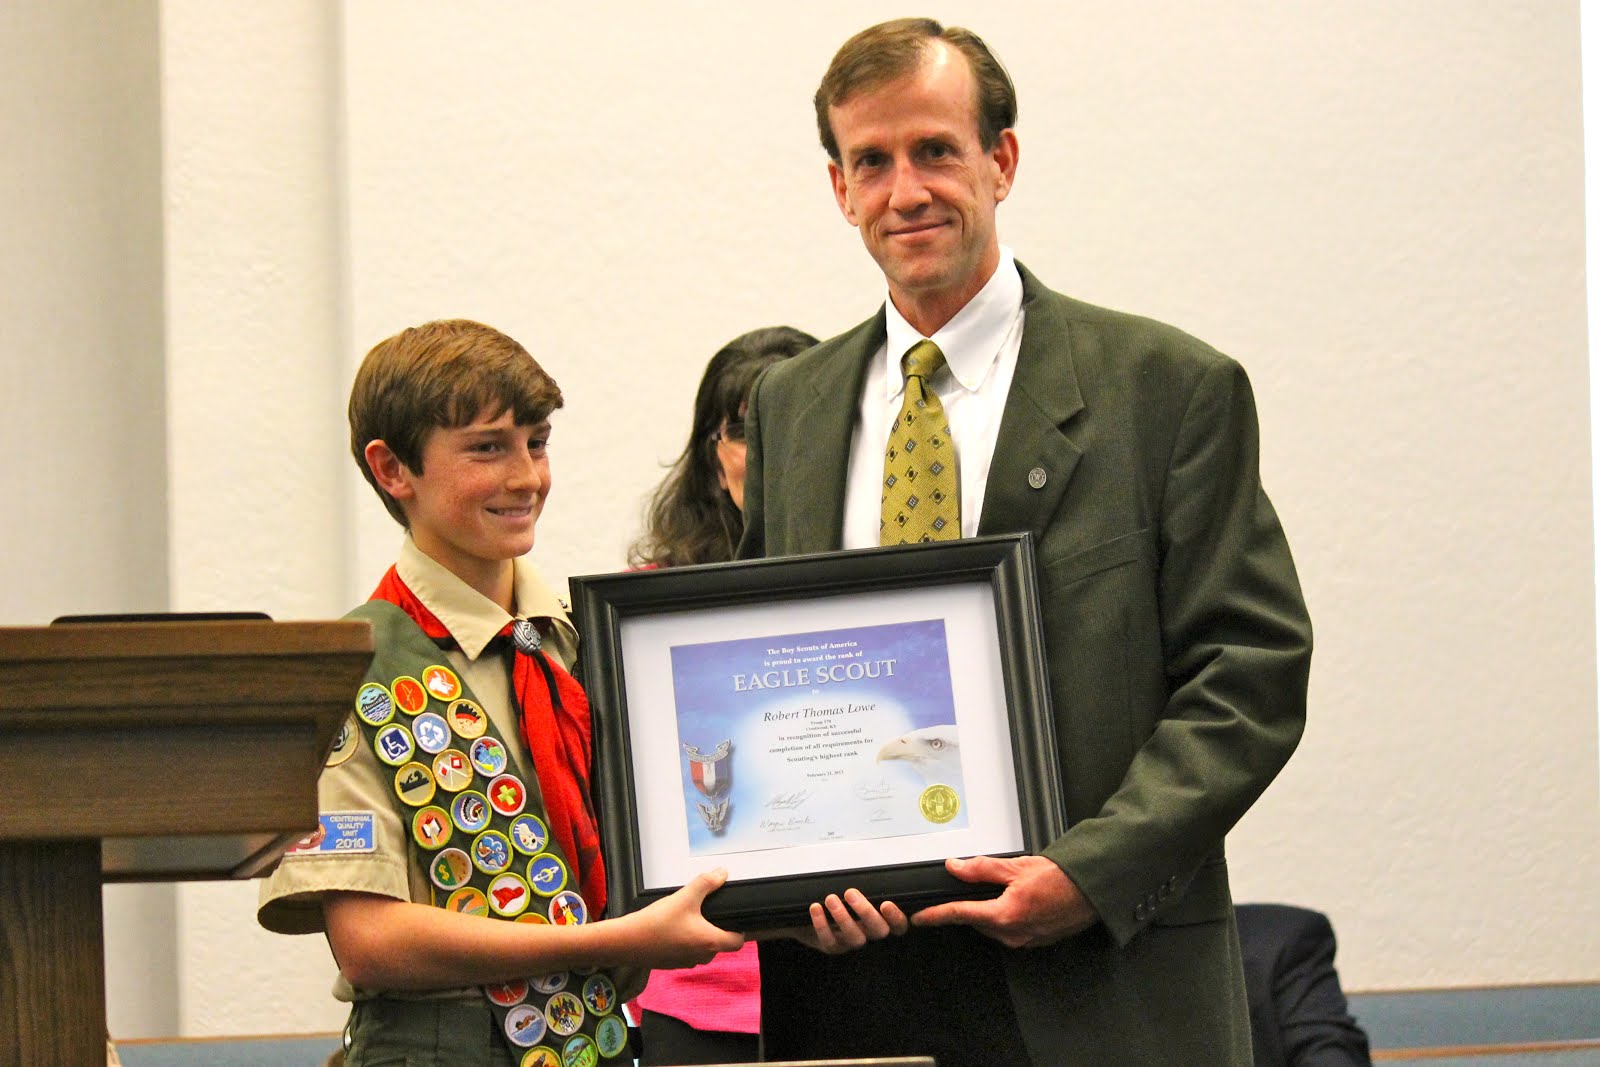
[(255, 371), (81, 372), (1378, 209)]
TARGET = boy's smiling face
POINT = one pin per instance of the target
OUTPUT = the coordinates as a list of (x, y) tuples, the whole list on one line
[(474, 504)]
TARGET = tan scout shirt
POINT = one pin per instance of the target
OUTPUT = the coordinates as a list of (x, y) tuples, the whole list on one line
[(291, 897)]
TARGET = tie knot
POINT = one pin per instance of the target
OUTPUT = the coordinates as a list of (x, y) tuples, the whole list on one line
[(923, 360)]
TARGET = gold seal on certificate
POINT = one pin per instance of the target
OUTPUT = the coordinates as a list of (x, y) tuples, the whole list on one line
[(939, 803)]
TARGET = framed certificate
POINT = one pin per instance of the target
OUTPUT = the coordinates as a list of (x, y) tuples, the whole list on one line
[(815, 723)]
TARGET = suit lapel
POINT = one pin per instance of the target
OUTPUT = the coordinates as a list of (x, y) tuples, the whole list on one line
[(819, 464), (1033, 459)]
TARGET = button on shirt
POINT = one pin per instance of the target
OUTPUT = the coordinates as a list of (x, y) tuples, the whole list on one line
[(980, 347)]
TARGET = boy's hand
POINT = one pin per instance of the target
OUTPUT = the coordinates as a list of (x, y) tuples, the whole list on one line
[(837, 928), (678, 935)]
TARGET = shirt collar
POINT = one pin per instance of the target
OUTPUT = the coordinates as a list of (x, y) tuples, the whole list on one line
[(971, 341), (472, 618)]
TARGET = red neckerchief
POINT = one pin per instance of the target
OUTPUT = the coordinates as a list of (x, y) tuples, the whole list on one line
[(555, 728)]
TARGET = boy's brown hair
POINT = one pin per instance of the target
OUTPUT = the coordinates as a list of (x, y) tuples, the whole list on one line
[(441, 374)]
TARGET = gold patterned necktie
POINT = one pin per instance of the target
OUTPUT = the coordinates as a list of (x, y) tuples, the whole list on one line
[(921, 496)]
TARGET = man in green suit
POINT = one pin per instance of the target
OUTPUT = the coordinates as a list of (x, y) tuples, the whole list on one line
[(1178, 641)]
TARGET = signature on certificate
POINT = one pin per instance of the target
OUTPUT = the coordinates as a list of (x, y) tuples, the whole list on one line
[(879, 790), (788, 801)]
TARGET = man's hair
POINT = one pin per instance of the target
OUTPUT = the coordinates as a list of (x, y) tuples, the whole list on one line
[(880, 54), (441, 374)]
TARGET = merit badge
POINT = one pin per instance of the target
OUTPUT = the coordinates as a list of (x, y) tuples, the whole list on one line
[(939, 803), (579, 1051), (452, 770), (540, 1056), (611, 1036), (491, 852), (599, 994), (441, 682), (413, 784), (533, 917), (525, 1025), (393, 744), (712, 775), (547, 874), (345, 745), (568, 909), (529, 835), (430, 826), (507, 994), (551, 983), (564, 1013), (489, 756), (450, 869), (432, 732), (467, 719), (469, 811), (374, 704), (508, 895), (507, 794), (468, 900), (409, 695)]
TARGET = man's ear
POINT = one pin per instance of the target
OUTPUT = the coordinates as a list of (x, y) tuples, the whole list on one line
[(841, 192), (1004, 155), (392, 476)]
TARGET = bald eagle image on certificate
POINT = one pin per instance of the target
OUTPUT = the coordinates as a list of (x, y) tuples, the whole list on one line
[(835, 735)]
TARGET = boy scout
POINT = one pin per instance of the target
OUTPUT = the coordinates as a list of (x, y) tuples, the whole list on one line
[(456, 868)]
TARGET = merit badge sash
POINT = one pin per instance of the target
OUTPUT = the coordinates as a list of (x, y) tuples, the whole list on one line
[(484, 841)]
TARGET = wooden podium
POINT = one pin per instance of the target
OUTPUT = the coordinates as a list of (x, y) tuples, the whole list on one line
[(148, 751)]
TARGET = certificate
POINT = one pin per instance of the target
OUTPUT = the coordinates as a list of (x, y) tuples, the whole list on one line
[(819, 722)]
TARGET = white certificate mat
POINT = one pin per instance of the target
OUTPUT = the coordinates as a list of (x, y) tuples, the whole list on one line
[(866, 729)]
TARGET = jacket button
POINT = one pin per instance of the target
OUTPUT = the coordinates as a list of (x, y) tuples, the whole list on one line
[(1037, 477)]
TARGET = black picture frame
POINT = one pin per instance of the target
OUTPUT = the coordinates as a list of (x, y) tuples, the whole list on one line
[(606, 605)]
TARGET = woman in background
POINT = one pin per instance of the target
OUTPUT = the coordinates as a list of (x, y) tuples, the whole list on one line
[(697, 513), (712, 1013)]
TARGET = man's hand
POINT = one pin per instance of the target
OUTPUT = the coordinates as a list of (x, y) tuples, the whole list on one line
[(840, 925), (1040, 905)]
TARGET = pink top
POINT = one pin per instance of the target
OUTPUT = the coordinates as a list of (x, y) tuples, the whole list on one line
[(724, 994)]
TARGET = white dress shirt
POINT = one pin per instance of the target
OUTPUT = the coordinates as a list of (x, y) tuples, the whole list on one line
[(980, 347)]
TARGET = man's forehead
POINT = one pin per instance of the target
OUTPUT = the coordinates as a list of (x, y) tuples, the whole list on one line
[(943, 77)]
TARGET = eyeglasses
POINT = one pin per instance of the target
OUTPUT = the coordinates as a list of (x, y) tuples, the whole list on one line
[(732, 432)]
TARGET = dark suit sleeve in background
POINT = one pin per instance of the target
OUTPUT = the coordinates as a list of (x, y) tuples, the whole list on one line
[(1299, 1016)]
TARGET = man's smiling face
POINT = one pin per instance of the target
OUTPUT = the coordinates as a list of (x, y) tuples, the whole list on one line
[(914, 178)]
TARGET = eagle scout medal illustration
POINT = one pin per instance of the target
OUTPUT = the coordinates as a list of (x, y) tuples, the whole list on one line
[(712, 775)]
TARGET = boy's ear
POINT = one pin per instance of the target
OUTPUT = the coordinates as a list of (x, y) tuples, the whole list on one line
[(392, 476)]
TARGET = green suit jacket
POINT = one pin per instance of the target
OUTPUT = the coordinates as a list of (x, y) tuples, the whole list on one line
[(1177, 639)]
